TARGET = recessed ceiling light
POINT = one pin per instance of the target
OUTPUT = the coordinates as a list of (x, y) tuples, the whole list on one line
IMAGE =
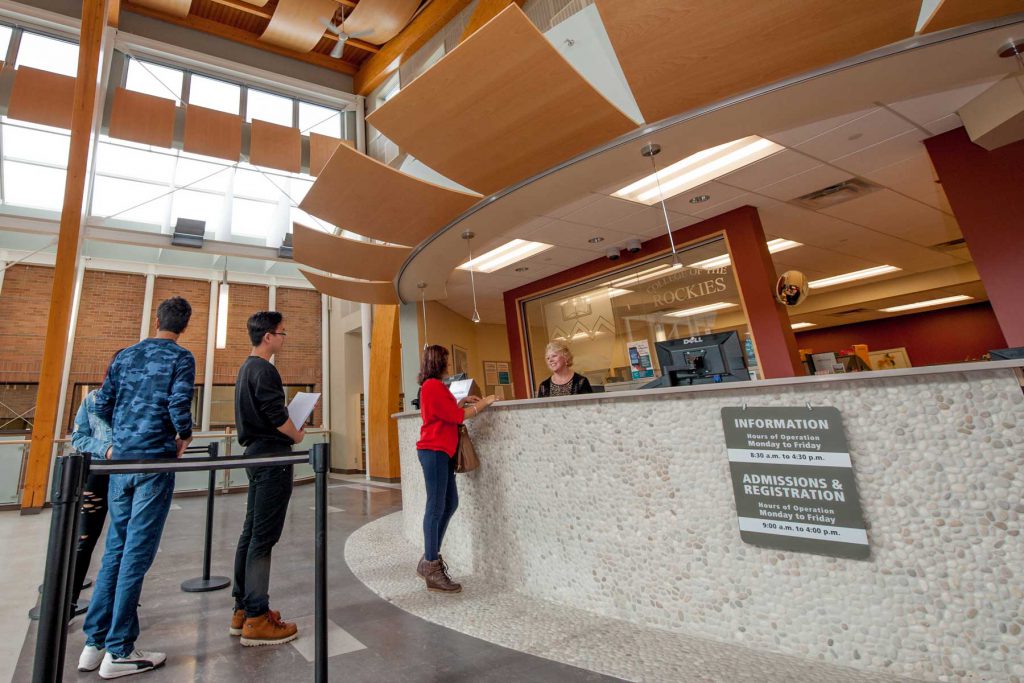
[(596, 240), (926, 304), (774, 247), (687, 312), (802, 326), (504, 256), (697, 169), (522, 269), (700, 199), (849, 277)]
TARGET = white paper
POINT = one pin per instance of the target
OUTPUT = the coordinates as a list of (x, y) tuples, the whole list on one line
[(301, 407), (460, 389)]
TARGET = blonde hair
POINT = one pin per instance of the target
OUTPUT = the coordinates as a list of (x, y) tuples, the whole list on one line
[(561, 348)]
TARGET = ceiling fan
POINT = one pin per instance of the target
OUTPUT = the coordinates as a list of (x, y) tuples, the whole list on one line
[(336, 25)]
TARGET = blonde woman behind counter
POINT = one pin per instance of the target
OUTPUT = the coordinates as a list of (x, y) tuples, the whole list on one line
[(563, 381)]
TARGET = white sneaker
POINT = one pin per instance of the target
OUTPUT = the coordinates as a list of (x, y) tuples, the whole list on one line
[(91, 658), (135, 663)]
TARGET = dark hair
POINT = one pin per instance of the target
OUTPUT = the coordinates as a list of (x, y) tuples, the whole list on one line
[(435, 362), (173, 315), (111, 364), (261, 323)]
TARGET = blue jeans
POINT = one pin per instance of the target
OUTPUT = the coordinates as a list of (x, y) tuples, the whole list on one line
[(138, 505), (442, 499)]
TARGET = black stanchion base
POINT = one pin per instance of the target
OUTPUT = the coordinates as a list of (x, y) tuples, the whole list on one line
[(201, 585), (80, 608)]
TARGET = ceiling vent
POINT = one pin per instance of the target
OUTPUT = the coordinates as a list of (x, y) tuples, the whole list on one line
[(951, 245), (850, 311), (836, 194)]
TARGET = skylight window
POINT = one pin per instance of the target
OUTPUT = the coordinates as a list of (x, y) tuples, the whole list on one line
[(5, 39), (316, 119), (156, 80), (48, 54), (267, 107), (214, 94), (34, 186), (29, 144)]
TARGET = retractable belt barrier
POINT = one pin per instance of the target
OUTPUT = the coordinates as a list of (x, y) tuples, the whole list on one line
[(68, 480)]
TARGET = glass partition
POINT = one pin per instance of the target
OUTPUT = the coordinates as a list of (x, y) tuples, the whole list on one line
[(614, 323)]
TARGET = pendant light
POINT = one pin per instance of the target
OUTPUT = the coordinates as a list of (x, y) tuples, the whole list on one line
[(468, 236), (222, 310), (423, 300), (651, 150)]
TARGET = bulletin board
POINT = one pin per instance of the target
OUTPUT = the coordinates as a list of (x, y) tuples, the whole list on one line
[(498, 379)]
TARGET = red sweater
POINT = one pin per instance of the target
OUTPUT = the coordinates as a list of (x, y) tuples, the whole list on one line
[(441, 418)]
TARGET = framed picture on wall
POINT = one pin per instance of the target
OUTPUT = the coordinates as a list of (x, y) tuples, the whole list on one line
[(889, 359), (460, 360)]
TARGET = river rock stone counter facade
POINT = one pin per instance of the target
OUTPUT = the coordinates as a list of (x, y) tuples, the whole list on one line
[(622, 505)]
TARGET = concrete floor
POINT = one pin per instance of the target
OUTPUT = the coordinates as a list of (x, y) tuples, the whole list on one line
[(371, 639)]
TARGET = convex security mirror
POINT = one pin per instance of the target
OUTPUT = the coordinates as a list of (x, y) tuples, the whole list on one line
[(792, 288)]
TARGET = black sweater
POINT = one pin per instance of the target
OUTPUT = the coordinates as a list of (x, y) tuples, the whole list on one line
[(259, 403)]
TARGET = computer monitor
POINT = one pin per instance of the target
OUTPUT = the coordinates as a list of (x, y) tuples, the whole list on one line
[(703, 359), (1014, 353)]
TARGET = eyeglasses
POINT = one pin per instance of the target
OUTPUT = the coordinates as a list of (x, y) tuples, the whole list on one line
[(280, 334)]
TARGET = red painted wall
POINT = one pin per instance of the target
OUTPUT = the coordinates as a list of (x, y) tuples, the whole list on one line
[(950, 335)]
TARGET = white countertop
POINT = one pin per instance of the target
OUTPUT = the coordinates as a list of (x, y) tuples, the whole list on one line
[(761, 384)]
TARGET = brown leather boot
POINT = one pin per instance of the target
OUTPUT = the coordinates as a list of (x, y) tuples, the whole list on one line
[(421, 567), (438, 579), (238, 621), (267, 629)]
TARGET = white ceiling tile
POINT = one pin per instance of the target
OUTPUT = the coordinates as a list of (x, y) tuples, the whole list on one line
[(884, 153), (945, 124), (717, 192), (927, 108), (574, 205), (880, 124), (770, 170), (803, 183), (894, 214), (650, 220), (604, 211), (794, 136), (914, 177), (577, 236)]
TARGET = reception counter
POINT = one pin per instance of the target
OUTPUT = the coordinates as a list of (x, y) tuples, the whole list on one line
[(622, 504)]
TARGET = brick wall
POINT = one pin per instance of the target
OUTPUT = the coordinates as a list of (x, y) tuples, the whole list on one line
[(24, 306), (244, 300), (300, 361), (197, 293)]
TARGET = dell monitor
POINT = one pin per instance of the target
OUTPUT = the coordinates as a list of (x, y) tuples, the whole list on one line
[(703, 359)]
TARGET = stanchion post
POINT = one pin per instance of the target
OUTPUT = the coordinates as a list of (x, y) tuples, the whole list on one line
[(48, 665), (207, 583), (320, 458)]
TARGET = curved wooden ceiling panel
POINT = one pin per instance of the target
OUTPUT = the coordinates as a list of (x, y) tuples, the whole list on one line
[(297, 24), (177, 8), (385, 18), (502, 106), (364, 196), (950, 13), (345, 257), (363, 291), (681, 54)]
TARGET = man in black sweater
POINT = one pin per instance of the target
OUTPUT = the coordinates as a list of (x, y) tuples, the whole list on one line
[(264, 427)]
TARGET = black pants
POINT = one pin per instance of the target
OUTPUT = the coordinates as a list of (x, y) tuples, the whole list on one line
[(270, 490), (90, 526)]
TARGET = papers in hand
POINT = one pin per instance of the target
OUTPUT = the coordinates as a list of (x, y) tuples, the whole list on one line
[(301, 407), (462, 388)]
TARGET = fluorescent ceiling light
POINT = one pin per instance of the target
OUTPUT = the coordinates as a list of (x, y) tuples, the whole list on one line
[(697, 169), (774, 247), (687, 312), (801, 326), (926, 304), (850, 277), (505, 255), (222, 317)]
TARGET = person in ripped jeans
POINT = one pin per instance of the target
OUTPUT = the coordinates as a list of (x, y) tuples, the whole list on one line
[(92, 435)]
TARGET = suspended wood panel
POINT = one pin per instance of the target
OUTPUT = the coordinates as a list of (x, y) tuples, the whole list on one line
[(321, 149), (275, 146), (42, 97), (681, 54), (298, 24), (503, 106), (364, 196), (349, 258), (365, 292), (385, 18), (213, 133), (177, 8), (950, 13), (142, 118), (485, 11)]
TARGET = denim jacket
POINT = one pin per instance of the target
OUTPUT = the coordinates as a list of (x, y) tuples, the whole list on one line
[(92, 433)]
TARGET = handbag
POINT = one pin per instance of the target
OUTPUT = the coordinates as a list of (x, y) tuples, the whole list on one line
[(465, 453)]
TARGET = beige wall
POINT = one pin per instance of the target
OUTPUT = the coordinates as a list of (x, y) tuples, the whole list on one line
[(482, 341)]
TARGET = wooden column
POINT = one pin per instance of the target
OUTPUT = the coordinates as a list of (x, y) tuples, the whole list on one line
[(85, 114), (385, 383), (767, 319), (985, 192)]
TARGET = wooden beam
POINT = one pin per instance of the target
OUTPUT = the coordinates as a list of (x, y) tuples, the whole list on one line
[(385, 382), (264, 14), (422, 28), (246, 38), (114, 14), (484, 12), (87, 109)]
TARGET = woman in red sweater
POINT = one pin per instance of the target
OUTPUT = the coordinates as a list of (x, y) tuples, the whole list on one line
[(439, 437)]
